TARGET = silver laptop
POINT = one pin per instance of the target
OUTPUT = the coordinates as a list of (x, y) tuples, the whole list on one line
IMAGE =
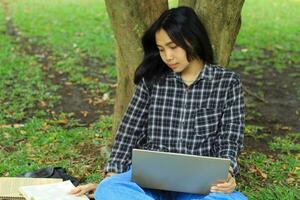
[(177, 172)]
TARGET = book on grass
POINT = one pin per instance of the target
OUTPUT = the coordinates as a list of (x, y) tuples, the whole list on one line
[(9, 186), (57, 191)]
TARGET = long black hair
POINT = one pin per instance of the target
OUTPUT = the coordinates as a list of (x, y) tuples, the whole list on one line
[(186, 30)]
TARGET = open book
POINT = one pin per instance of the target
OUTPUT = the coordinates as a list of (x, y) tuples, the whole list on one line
[(57, 191), (9, 186)]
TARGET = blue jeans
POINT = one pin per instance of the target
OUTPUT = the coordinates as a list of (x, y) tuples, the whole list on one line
[(120, 187)]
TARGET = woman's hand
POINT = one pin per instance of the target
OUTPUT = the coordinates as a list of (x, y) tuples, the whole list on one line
[(88, 188), (85, 189), (109, 174), (225, 187)]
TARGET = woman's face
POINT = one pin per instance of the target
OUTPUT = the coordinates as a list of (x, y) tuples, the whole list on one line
[(173, 55)]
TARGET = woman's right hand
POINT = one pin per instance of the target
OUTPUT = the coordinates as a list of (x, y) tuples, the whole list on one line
[(88, 189), (109, 174)]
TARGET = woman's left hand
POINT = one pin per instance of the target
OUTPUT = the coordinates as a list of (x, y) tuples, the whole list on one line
[(225, 187)]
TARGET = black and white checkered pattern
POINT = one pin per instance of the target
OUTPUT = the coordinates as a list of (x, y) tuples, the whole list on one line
[(206, 118)]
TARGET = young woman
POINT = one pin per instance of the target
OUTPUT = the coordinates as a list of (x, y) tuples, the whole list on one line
[(182, 103)]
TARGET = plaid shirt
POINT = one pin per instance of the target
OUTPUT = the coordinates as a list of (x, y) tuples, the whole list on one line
[(206, 118)]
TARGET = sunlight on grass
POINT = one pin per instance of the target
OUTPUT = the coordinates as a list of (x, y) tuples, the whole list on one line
[(66, 26), (78, 32), (2, 21), (269, 35), (270, 24)]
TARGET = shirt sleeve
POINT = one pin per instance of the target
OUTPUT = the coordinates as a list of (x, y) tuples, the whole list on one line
[(131, 127), (230, 139)]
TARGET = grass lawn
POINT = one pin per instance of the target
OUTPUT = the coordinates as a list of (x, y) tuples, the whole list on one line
[(57, 90)]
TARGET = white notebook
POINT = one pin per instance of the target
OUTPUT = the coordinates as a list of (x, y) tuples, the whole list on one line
[(57, 191)]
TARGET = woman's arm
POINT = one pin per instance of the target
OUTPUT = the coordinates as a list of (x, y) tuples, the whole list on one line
[(131, 127), (231, 134)]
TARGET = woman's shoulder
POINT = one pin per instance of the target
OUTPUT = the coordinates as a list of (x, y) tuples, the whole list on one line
[(220, 73)]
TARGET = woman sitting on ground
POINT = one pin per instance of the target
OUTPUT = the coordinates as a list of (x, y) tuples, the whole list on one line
[(182, 104)]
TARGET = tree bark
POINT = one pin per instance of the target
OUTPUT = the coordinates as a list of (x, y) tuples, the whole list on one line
[(189, 3), (129, 20), (222, 20)]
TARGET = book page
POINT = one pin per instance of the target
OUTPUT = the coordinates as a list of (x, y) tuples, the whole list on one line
[(57, 191), (9, 186)]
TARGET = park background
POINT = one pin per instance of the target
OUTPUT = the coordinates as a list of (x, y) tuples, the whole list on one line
[(58, 80)]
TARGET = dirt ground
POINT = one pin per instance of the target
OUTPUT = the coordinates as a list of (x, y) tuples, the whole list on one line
[(278, 111)]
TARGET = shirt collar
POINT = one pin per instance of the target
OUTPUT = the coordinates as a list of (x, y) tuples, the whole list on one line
[(207, 74)]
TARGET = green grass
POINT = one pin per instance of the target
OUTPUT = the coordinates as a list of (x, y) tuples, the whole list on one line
[(2, 22), (266, 176), (270, 24), (270, 32), (286, 144), (42, 143), (76, 30), (274, 191), (21, 86), (68, 26)]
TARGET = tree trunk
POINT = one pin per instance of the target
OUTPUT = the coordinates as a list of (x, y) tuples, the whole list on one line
[(222, 20), (129, 20)]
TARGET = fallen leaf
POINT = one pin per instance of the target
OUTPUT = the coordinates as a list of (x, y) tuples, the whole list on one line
[(89, 100), (256, 170), (42, 104), (286, 128), (113, 85), (284, 166), (6, 135), (98, 101), (244, 50), (252, 169), (264, 175), (68, 83), (51, 76), (105, 96), (71, 114), (292, 173), (12, 125), (45, 126), (84, 113), (290, 180), (62, 121)]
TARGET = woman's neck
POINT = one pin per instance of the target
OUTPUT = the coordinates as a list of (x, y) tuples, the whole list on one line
[(190, 74)]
